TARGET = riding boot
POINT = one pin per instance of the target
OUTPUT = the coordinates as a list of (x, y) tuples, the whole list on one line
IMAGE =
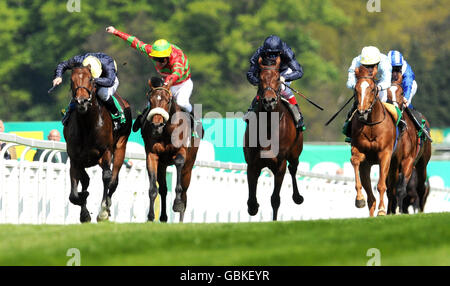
[(401, 121), (197, 130), (66, 112), (346, 129), (252, 108), (297, 115), (140, 119), (117, 115)]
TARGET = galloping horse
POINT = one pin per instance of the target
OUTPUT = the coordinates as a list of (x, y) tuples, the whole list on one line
[(373, 139), (414, 151), (290, 142), (168, 141), (90, 141)]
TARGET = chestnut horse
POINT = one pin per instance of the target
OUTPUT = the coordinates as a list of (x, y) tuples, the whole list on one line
[(413, 151), (168, 141), (273, 119), (91, 141), (373, 139)]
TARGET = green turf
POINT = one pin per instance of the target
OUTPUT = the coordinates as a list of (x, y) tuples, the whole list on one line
[(402, 240)]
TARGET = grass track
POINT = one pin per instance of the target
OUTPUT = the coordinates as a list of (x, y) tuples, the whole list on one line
[(422, 239)]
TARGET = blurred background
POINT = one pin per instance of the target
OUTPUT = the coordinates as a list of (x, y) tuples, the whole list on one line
[(219, 37)]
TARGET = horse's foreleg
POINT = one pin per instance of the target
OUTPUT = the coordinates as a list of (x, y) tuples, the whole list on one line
[(385, 161), (407, 168), (356, 160), (152, 170), (422, 189), (178, 204), (162, 192), (364, 175), (84, 214), (253, 173), (119, 157), (278, 181), (293, 164), (105, 163)]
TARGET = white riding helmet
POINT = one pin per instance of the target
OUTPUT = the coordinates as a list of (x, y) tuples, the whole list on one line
[(96, 66), (370, 55)]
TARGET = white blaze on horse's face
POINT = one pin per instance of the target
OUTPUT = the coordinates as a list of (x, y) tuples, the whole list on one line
[(364, 86)]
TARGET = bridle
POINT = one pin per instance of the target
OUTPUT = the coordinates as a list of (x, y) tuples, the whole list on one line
[(277, 92), (89, 91), (149, 94), (365, 113)]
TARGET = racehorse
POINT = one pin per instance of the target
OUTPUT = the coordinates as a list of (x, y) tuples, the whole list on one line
[(91, 141), (373, 139), (414, 152), (290, 142), (168, 141)]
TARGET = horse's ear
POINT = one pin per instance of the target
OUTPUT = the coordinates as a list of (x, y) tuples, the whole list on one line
[(278, 61), (260, 61), (150, 83), (357, 71), (375, 70), (400, 77)]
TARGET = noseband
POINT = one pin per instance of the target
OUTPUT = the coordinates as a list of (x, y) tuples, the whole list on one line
[(89, 91)]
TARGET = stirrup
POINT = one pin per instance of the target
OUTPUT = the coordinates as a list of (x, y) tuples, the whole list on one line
[(348, 140)]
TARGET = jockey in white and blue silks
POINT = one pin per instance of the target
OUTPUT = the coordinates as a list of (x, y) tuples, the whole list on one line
[(409, 84), (370, 57)]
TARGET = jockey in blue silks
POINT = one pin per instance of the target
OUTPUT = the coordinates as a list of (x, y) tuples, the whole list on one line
[(409, 84)]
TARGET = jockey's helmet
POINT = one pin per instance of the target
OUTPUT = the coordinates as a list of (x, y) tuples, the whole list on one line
[(370, 56), (161, 49), (96, 66), (396, 58), (272, 46)]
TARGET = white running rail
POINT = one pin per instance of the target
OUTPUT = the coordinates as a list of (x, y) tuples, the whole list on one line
[(38, 192)]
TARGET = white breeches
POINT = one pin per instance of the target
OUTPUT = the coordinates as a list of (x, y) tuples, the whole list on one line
[(182, 93), (106, 92)]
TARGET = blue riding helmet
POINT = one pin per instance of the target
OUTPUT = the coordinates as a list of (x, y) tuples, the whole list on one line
[(396, 58), (272, 46)]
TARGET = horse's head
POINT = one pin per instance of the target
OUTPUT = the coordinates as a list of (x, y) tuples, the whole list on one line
[(83, 88), (161, 102), (366, 90), (395, 92), (270, 82)]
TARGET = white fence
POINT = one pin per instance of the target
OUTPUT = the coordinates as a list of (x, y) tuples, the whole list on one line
[(38, 192)]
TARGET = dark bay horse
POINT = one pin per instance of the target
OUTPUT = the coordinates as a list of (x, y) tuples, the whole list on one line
[(414, 152), (272, 121), (91, 141), (168, 141), (373, 139)]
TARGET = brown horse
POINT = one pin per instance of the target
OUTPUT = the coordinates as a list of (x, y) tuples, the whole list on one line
[(272, 120), (168, 141), (374, 138), (413, 151), (91, 141)]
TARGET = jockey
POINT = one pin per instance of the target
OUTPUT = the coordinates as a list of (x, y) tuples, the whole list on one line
[(290, 70), (369, 58), (409, 84), (171, 63), (104, 72)]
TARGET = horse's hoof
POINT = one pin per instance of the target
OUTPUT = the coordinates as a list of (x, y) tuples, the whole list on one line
[(178, 206), (298, 199), (85, 217), (253, 210), (163, 218), (360, 203), (151, 218), (103, 216), (381, 213)]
